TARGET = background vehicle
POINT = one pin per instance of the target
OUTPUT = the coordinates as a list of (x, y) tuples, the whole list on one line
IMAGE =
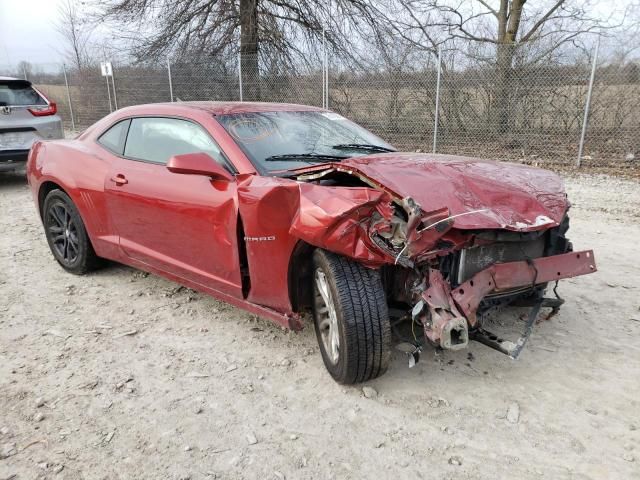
[(279, 209), (26, 116)]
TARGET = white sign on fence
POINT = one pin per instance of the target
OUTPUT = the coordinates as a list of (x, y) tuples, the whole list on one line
[(106, 69)]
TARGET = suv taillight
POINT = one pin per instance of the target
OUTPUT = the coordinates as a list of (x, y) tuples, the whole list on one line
[(45, 110)]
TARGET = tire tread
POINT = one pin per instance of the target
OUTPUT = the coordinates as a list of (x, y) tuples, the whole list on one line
[(363, 307)]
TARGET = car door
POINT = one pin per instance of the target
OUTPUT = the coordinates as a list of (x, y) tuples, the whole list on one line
[(184, 225)]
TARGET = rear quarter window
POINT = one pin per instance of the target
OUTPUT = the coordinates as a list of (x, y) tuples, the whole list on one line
[(114, 138), (16, 93)]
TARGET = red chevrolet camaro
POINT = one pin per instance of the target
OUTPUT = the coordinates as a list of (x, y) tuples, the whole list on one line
[(281, 209)]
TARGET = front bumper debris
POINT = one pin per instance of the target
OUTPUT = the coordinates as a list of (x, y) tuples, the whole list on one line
[(451, 321), (513, 349)]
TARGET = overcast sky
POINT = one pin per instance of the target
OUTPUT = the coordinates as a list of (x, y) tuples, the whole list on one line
[(28, 32)]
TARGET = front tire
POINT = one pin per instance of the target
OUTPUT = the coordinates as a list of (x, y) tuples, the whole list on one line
[(351, 318), (66, 234)]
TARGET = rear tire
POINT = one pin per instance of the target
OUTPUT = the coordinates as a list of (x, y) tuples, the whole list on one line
[(351, 318), (66, 234)]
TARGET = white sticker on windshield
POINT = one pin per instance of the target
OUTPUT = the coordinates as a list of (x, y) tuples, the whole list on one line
[(333, 116)]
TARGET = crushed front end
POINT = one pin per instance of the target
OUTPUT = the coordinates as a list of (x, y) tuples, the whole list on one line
[(445, 268), (452, 288)]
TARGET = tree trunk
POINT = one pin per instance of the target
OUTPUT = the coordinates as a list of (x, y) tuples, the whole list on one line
[(509, 16), (249, 49), (502, 105)]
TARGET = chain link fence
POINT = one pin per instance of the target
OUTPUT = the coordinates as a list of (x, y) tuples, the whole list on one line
[(532, 114)]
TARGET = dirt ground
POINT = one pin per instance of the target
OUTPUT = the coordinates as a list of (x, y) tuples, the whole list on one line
[(123, 375)]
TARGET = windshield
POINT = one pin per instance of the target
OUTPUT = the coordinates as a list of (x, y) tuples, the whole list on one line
[(288, 140), (17, 93)]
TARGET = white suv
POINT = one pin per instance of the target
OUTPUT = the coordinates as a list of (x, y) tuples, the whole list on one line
[(26, 116)]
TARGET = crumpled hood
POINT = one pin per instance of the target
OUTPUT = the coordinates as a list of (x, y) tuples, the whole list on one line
[(484, 193)]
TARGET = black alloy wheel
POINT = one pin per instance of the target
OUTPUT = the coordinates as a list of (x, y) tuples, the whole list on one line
[(66, 234)]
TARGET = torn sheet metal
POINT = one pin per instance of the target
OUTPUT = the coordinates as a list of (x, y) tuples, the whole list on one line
[(444, 324), (452, 312), (342, 219), (480, 194), (358, 222), (503, 276), (277, 213)]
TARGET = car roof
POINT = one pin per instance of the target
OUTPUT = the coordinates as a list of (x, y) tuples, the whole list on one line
[(224, 108), (13, 78)]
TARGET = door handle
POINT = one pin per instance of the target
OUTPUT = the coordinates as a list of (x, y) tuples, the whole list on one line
[(119, 179)]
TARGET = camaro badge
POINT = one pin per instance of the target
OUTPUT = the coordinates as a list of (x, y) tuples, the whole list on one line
[(260, 239)]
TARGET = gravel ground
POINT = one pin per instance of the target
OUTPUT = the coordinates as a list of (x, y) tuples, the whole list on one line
[(120, 374)]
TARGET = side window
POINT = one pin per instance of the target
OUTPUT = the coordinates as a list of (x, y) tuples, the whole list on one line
[(156, 139), (113, 139)]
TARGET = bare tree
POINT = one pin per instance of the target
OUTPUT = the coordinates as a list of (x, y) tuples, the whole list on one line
[(287, 28), (625, 44), (497, 31), (76, 31), (25, 69)]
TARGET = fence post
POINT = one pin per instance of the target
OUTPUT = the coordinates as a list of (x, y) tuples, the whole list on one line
[(587, 106), (170, 81), (109, 94), (324, 69), (66, 82), (326, 79), (240, 73), (437, 113), (113, 82)]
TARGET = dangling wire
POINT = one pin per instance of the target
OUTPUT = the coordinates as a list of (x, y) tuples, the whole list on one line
[(413, 330)]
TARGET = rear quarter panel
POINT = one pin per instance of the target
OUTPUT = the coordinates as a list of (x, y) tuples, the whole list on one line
[(81, 173)]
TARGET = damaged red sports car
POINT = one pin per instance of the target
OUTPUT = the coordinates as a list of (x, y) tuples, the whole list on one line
[(281, 209)]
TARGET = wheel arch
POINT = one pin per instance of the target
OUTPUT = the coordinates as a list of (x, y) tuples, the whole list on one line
[(45, 188), (300, 275)]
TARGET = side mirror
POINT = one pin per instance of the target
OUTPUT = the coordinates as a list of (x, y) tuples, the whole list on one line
[(198, 164)]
